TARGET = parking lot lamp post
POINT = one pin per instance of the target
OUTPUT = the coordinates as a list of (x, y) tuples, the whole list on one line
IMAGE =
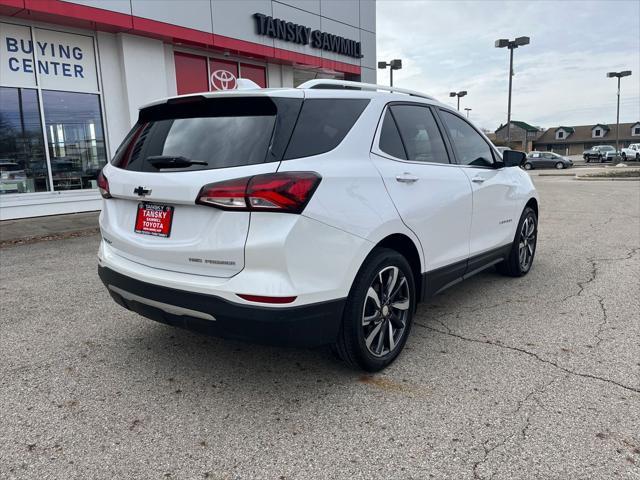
[(468, 110), (511, 45), (618, 75), (393, 65), (458, 94)]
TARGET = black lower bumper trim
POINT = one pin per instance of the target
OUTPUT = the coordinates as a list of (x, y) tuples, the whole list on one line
[(304, 326)]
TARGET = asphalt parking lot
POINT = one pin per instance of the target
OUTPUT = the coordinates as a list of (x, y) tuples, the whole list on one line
[(537, 377)]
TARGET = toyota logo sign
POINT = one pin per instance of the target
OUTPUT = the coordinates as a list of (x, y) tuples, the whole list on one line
[(223, 80)]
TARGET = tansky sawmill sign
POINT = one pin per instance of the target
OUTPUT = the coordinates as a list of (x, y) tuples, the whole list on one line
[(293, 32)]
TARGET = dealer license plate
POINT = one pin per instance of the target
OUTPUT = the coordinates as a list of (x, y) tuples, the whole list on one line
[(154, 219)]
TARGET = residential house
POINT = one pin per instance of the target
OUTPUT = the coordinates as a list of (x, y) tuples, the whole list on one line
[(575, 140), (522, 135)]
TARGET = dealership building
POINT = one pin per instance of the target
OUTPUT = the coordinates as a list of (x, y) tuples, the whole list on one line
[(74, 73)]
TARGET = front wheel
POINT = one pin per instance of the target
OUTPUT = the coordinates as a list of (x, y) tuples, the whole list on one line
[(528, 166), (378, 315), (523, 249), (624, 157), (559, 165)]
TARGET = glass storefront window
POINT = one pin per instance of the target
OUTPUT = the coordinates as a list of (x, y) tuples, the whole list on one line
[(23, 165), (75, 138)]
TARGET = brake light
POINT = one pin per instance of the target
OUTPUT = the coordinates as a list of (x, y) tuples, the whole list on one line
[(287, 192), (103, 185)]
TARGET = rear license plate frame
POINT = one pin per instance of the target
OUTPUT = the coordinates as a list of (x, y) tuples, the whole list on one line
[(161, 230)]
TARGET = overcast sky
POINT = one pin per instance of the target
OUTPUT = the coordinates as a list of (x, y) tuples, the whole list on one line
[(560, 78)]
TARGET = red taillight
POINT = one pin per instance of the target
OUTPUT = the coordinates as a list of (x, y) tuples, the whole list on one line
[(287, 192), (263, 299), (103, 185)]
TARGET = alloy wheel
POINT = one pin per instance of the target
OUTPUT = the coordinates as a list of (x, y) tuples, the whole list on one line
[(385, 311), (527, 245)]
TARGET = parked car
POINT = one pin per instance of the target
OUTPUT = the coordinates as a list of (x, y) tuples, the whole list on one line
[(313, 215), (546, 160), (600, 153), (12, 176), (632, 152)]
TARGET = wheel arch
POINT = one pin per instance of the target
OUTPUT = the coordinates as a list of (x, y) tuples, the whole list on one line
[(406, 247), (533, 203)]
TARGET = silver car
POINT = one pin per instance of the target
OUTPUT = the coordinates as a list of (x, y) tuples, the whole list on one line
[(546, 160)]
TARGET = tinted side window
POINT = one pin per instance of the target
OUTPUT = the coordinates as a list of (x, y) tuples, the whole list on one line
[(322, 124), (390, 141), (420, 134), (471, 148)]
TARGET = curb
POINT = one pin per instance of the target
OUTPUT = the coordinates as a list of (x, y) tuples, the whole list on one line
[(45, 238), (611, 179), (556, 175)]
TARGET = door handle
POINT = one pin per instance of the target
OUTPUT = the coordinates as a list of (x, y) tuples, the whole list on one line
[(406, 177), (477, 179)]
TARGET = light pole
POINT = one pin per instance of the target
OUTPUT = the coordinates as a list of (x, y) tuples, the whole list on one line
[(618, 75), (511, 45), (393, 65), (459, 94), (468, 110)]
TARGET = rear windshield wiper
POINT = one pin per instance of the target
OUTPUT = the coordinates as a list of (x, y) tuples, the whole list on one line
[(168, 161)]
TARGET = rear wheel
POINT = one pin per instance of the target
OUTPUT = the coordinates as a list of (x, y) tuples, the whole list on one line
[(600, 159), (379, 312), (559, 165), (523, 249), (528, 166)]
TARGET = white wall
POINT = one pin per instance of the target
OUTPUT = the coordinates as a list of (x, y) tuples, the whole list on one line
[(144, 71), (116, 109)]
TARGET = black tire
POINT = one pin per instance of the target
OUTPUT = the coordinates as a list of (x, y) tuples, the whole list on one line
[(586, 159), (512, 265), (528, 166), (637, 157), (600, 159), (624, 157), (560, 165), (351, 342)]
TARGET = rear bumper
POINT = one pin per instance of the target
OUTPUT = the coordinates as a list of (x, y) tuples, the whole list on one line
[(304, 326)]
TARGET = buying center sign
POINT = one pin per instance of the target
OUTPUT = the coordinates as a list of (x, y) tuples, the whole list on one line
[(54, 60)]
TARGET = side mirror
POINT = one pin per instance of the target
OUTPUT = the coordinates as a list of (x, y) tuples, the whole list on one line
[(513, 158)]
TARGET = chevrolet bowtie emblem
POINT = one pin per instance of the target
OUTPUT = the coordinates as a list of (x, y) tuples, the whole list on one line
[(142, 191)]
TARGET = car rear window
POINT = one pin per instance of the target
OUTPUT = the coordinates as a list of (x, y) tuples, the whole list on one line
[(323, 124), (196, 133)]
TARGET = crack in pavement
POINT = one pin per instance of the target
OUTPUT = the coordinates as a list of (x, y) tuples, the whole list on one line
[(594, 271), (583, 284), (487, 452), (628, 256), (604, 322), (532, 355), (592, 276), (532, 394), (520, 404)]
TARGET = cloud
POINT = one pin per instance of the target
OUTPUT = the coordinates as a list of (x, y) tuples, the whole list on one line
[(560, 78)]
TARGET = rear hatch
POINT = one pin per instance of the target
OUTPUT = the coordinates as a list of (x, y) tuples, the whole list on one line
[(175, 149)]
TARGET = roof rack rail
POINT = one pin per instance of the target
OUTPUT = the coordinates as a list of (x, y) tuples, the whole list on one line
[(324, 83)]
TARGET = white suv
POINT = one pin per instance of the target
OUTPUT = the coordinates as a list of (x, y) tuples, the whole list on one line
[(315, 215)]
